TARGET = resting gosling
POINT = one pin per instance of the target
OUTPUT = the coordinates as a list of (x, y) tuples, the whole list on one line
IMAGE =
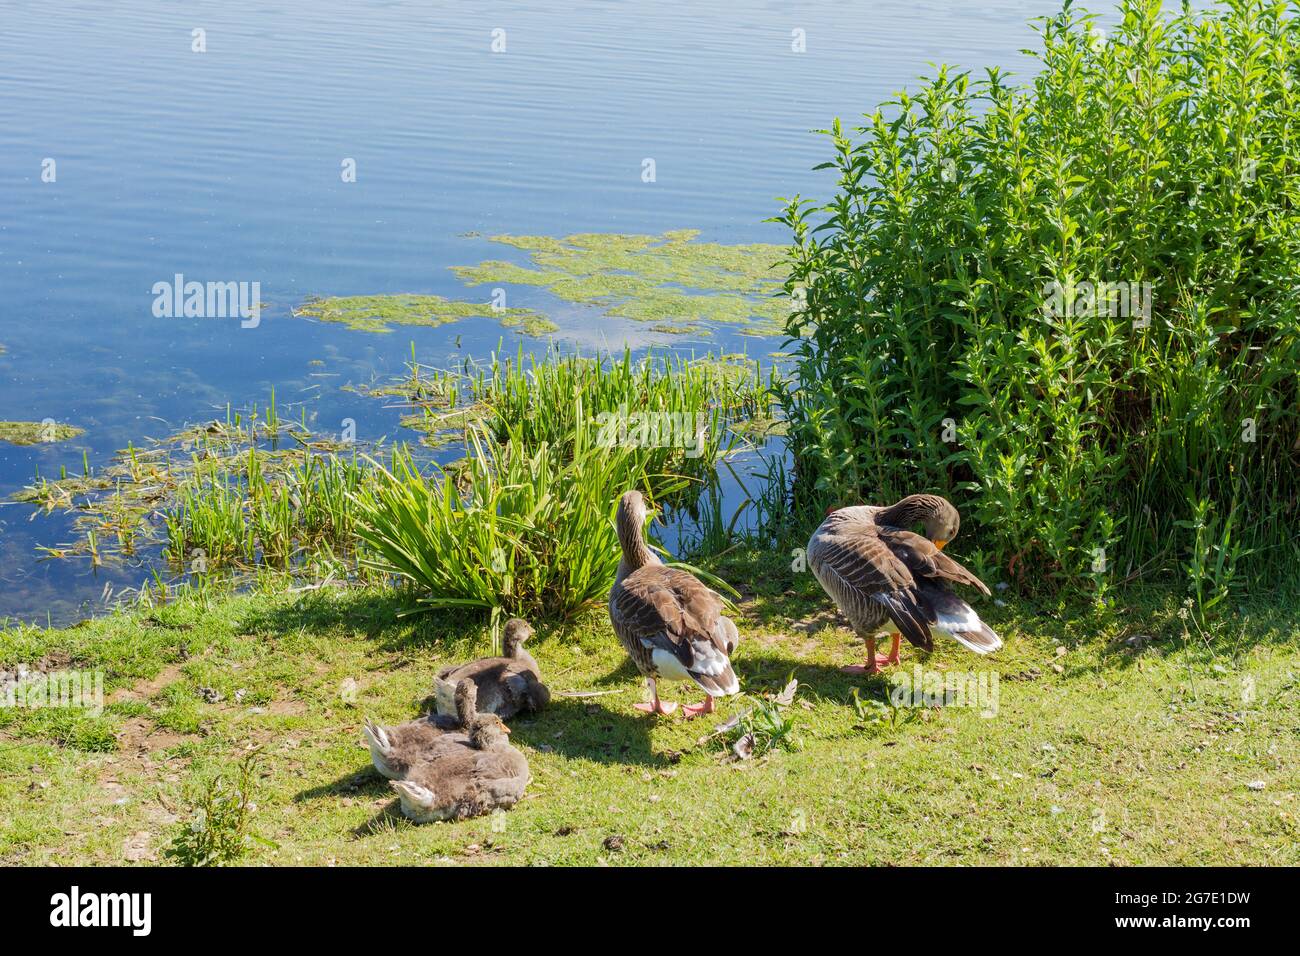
[(506, 685), (394, 750), (466, 780)]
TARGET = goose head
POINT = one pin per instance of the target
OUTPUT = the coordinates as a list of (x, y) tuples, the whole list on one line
[(489, 731), (516, 632), (936, 514)]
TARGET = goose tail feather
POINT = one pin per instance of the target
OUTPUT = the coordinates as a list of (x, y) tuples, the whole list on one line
[(413, 796), (722, 684)]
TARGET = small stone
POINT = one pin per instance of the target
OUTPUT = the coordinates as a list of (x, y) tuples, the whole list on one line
[(136, 848), (1256, 785), (348, 690)]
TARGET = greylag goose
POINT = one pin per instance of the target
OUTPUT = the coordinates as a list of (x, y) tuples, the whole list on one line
[(467, 777), (506, 685), (670, 624), (889, 580), (394, 750)]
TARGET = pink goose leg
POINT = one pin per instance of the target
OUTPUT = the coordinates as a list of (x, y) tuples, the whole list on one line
[(875, 661), (656, 706), (694, 710)]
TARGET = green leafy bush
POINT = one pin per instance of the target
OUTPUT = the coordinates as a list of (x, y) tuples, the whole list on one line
[(1071, 305), (220, 831)]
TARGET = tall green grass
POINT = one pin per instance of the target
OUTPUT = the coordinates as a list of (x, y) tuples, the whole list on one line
[(1086, 447), (679, 410), (523, 523), (240, 517), (523, 528)]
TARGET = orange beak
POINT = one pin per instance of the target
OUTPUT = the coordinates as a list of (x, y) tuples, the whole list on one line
[(506, 729), (940, 542)]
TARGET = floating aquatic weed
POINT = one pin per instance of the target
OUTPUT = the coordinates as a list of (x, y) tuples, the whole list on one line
[(234, 493), (36, 433), (671, 279), (380, 313)]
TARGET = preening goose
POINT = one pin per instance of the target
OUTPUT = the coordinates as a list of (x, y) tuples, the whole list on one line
[(506, 685), (467, 777), (888, 580), (670, 624)]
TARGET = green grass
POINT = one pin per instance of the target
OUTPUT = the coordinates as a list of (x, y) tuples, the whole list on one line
[(523, 523), (526, 530), (1106, 748)]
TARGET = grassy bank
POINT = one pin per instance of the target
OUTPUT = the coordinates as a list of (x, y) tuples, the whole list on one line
[(1125, 738)]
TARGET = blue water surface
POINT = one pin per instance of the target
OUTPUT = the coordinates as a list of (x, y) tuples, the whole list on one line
[(224, 165)]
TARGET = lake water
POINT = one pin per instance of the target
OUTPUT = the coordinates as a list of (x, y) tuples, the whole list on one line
[(225, 165)]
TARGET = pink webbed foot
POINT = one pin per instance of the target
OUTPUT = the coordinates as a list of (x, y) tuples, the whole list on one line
[(695, 710), (871, 667), (875, 661), (657, 707)]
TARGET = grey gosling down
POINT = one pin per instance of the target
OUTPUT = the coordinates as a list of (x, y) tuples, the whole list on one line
[(889, 580), (394, 750), (465, 779), (670, 624), (506, 685)]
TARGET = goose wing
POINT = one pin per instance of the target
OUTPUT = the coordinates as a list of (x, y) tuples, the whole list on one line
[(924, 560), (678, 621), (901, 571), (858, 564)]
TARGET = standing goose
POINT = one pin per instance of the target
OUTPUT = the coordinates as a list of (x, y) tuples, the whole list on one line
[(669, 623), (506, 685), (888, 580)]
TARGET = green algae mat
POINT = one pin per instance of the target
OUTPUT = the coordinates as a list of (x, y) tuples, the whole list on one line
[(35, 433), (673, 282)]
